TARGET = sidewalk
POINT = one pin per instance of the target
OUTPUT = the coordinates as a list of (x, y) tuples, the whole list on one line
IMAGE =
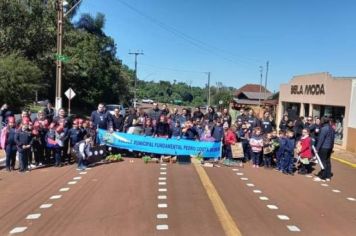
[(346, 157)]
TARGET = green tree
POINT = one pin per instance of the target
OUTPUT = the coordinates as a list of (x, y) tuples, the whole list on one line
[(19, 78)]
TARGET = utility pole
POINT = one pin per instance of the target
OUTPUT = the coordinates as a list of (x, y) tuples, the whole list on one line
[(208, 89), (59, 8), (266, 77), (135, 82)]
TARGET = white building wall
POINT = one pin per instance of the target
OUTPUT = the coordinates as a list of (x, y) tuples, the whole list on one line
[(352, 114)]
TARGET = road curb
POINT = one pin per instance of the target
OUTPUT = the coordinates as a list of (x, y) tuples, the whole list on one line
[(337, 158)]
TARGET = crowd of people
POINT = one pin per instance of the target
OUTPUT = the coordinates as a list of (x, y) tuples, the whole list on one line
[(50, 137)]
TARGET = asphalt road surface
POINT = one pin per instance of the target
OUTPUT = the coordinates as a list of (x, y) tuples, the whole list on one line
[(133, 198)]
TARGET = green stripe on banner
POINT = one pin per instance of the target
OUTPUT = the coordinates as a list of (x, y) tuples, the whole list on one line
[(162, 146)]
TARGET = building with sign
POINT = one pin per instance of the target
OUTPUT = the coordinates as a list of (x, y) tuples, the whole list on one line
[(319, 95)]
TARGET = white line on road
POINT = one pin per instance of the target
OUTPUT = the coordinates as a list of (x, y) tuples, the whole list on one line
[(33, 216), (72, 182), (263, 198), (336, 191), (163, 173), (18, 230), (283, 217), (161, 197), (55, 197), (44, 206), (250, 185), (83, 173), (243, 178), (77, 178), (240, 173), (162, 227), (162, 183), (162, 178), (162, 216), (162, 205), (163, 168), (293, 228), (64, 190), (324, 185), (235, 169), (272, 207), (351, 199), (162, 190), (257, 191), (163, 164)]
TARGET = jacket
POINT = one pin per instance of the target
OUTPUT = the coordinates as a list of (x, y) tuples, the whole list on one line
[(326, 138), (229, 137), (306, 147), (256, 143)]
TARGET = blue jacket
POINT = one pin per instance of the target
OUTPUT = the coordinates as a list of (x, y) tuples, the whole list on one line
[(282, 147), (217, 133), (176, 131), (75, 135), (326, 138), (289, 147)]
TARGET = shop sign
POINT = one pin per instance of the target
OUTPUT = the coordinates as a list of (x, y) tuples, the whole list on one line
[(310, 89)]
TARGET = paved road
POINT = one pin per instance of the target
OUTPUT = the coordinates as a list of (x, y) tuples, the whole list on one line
[(132, 198)]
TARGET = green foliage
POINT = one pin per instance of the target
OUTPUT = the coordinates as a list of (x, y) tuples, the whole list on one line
[(19, 78)]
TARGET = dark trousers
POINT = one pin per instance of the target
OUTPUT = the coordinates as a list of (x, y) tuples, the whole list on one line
[(227, 151), (256, 158), (287, 163), (267, 159), (246, 150), (325, 155), (10, 156), (23, 157)]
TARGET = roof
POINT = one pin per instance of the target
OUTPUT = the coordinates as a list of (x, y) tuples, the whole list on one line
[(256, 88), (255, 102), (256, 96)]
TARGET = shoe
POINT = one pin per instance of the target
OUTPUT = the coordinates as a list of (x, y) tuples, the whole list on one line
[(327, 180), (254, 166), (257, 166), (316, 179), (8, 169)]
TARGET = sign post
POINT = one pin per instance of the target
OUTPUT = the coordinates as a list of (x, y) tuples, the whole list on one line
[(70, 95)]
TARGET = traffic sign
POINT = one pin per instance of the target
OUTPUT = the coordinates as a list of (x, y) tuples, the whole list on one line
[(70, 93), (63, 58)]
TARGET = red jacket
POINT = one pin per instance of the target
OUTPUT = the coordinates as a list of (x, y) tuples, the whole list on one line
[(306, 148), (229, 137)]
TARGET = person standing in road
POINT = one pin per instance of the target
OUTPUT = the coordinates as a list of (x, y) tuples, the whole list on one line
[(268, 123), (197, 114), (155, 114), (8, 143), (23, 141), (101, 118), (324, 147), (226, 117), (256, 144), (305, 152), (284, 122), (117, 121)]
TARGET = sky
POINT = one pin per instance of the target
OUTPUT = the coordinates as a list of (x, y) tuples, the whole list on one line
[(231, 39)]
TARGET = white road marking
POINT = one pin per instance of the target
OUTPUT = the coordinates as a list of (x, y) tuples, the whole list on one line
[(351, 199), (272, 207), (161, 197), (55, 197), (162, 227), (163, 173), (162, 190), (257, 191), (235, 169), (163, 168), (293, 228), (77, 178), (163, 164), (309, 176), (263, 198), (33, 216), (162, 183), (243, 178), (162, 205), (88, 168), (324, 185), (162, 216), (250, 185), (283, 217), (44, 206), (64, 190), (336, 191), (82, 173), (18, 230), (72, 182), (162, 178), (240, 173)]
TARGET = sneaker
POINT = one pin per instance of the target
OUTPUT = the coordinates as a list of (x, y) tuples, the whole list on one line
[(257, 166), (254, 166), (316, 179), (327, 180)]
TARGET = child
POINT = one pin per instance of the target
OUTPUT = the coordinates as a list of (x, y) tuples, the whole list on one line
[(282, 140), (75, 134), (229, 139), (23, 141), (256, 144), (82, 151), (206, 135), (305, 152), (267, 150), (217, 131), (176, 130), (8, 143), (288, 155), (148, 129)]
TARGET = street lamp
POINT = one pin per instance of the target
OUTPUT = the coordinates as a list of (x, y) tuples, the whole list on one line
[(60, 20)]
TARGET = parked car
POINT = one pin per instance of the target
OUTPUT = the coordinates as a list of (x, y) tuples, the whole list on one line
[(150, 101), (112, 107)]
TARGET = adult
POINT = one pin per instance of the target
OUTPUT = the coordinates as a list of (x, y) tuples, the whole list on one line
[(252, 119), (211, 116), (131, 121), (117, 121), (315, 130), (185, 116), (155, 113), (298, 127), (101, 118), (175, 116), (5, 113), (165, 110), (226, 117), (62, 119), (23, 117), (325, 147), (63, 124), (268, 124), (243, 115), (49, 112), (197, 114), (162, 128), (284, 122)]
